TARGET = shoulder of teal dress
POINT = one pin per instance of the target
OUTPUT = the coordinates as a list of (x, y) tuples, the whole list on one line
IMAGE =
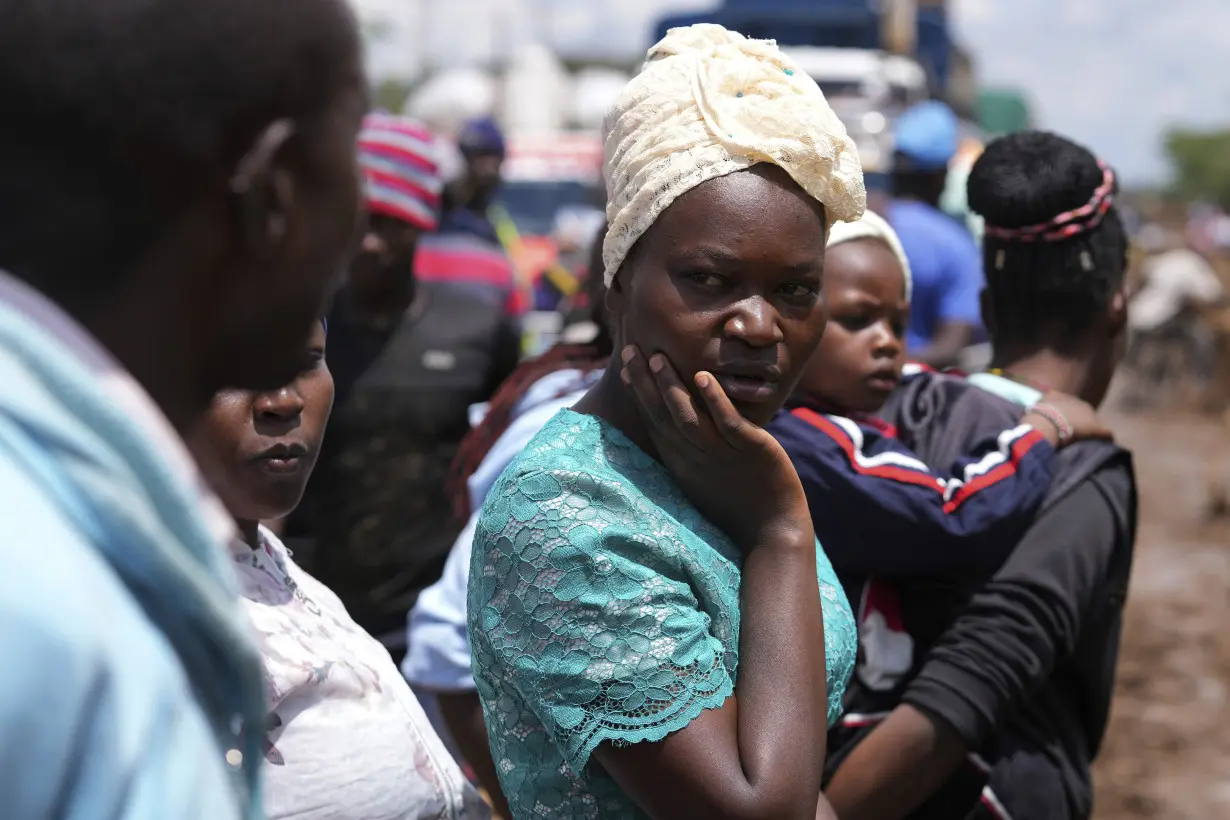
[(840, 634), (575, 603), (572, 605)]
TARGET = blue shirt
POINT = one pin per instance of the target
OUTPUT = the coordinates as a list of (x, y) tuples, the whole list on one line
[(946, 268), (98, 715)]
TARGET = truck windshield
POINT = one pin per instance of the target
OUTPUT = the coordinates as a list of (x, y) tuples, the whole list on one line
[(532, 206), (838, 89)]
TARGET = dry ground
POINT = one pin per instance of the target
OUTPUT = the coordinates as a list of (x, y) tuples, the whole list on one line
[(1167, 753)]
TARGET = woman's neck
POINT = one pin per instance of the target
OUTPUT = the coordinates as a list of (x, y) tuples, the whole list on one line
[(1071, 374), (612, 401)]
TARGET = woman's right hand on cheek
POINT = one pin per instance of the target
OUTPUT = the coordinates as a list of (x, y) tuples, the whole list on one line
[(732, 470)]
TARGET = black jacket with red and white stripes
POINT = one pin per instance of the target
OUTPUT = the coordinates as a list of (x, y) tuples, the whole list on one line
[(999, 615), (880, 510)]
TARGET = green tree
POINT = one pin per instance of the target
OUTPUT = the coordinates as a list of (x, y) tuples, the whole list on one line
[(1200, 162), (390, 94), (377, 29)]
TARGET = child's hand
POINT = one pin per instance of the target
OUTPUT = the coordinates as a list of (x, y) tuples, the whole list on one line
[(1065, 419)]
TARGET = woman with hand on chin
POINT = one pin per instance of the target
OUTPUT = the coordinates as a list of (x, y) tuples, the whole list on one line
[(656, 632), (344, 736)]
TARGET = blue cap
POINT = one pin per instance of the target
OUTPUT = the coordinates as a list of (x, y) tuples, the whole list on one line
[(481, 136), (927, 133)]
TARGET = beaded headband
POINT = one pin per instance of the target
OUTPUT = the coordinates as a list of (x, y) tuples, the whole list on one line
[(1069, 223)]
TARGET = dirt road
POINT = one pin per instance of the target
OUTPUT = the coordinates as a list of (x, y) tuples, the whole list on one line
[(1167, 754)]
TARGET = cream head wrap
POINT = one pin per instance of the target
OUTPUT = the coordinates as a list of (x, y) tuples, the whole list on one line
[(874, 226), (710, 102)]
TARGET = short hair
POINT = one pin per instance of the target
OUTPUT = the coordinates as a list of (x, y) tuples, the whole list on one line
[(907, 179), (119, 113), (1030, 178)]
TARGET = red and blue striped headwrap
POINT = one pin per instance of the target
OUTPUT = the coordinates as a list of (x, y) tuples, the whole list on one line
[(1069, 223), (400, 161)]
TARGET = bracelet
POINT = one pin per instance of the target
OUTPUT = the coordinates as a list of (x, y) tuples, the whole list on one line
[(1052, 414)]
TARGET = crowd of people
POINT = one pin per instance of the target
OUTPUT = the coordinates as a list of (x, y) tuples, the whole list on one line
[(293, 531)]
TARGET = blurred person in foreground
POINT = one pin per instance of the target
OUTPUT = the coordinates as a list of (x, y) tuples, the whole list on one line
[(409, 358), (178, 191), (1003, 709), (344, 735), (438, 660), (944, 315)]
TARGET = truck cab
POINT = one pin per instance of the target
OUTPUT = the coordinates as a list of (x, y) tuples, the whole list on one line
[(867, 88), (843, 45)]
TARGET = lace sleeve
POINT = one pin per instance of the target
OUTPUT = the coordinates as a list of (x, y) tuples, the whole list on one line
[(840, 635), (587, 615)]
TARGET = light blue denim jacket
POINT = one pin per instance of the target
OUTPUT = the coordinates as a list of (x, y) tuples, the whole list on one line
[(129, 689)]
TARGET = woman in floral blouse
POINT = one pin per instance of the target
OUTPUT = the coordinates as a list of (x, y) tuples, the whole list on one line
[(345, 736)]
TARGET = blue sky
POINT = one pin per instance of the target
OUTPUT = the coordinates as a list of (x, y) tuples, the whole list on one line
[(1111, 73)]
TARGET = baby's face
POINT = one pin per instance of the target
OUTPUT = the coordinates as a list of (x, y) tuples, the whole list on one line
[(859, 361)]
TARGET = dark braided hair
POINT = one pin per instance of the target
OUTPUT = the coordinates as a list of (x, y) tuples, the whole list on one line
[(479, 441), (1054, 286)]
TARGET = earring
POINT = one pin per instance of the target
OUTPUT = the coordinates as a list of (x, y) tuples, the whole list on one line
[(999, 259), (1086, 261)]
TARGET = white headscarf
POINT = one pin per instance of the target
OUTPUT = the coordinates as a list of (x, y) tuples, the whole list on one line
[(709, 102), (874, 226)]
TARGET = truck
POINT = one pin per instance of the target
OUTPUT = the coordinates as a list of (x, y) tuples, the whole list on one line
[(865, 87), (865, 25), (872, 58)]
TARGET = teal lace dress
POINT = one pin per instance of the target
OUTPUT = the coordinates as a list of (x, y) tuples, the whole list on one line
[(604, 607)]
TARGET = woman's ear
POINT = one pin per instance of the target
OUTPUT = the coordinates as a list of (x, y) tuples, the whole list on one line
[(615, 299), (263, 189)]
